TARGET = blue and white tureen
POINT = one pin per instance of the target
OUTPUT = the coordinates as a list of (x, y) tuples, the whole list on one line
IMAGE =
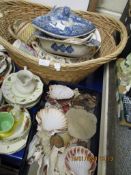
[(61, 22)]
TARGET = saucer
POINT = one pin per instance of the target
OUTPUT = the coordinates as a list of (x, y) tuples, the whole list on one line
[(12, 147), (61, 22), (9, 96), (28, 105)]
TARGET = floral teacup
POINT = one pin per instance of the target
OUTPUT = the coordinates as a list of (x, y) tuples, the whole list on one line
[(24, 83)]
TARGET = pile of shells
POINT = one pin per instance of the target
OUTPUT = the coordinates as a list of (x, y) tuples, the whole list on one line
[(64, 130)]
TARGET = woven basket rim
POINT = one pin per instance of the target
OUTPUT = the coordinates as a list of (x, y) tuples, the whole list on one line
[(99, 60)]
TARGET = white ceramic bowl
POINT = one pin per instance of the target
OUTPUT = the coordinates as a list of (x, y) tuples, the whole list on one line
[(59, 47)]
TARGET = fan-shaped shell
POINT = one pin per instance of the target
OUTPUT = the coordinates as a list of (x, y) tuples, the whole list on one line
[(81, 124), (60, 92), (52, 119), (80, 161)]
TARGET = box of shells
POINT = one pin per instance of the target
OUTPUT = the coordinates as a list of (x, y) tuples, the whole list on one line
[(67, 135)]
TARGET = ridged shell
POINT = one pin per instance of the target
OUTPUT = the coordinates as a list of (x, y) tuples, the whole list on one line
[(60, 92), (80, 161), (52, 119), (81, 124)]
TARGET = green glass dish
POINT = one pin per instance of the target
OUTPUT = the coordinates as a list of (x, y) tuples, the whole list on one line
[(6, 122)]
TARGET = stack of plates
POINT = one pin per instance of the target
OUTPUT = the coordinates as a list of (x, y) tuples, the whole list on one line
[(15, 139), (25, 101), (6, 68)]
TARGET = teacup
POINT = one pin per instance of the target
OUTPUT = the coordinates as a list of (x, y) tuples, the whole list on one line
[(24, 83), (6, 122)]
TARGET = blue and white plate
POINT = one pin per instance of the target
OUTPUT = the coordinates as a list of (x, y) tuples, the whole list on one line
[(62, 23)]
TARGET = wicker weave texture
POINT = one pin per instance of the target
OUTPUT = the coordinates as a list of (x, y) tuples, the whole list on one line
[(11, 10)]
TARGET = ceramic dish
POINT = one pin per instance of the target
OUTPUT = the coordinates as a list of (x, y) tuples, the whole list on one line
[(68, 49), (7, 89), (28, 105), (11, 68), (61, 22), (72, 40), (53, 58), (12, 147), (22, 124)]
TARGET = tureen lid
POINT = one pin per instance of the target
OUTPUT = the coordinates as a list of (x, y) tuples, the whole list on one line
[(61, 22)]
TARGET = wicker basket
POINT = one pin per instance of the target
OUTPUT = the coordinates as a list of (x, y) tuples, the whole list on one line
[(11, 10)]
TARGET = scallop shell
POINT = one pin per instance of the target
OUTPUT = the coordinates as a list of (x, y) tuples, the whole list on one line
[(60, 92), (51, 119), (81, 124), (80, 161)]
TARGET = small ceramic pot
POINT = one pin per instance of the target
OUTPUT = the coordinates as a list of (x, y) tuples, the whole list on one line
[(24, 83)]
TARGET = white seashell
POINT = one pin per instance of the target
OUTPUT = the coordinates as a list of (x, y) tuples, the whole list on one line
[(52, 120), (60, 92), (80, 161)]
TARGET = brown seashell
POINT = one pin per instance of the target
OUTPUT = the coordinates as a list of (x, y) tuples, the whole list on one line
[(66, 138), (57, 141)]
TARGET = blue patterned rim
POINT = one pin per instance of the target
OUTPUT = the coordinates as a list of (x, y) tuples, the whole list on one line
[(61, 22)]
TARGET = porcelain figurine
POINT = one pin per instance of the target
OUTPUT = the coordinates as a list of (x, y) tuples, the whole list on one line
[(61, 22), (125, 65)]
